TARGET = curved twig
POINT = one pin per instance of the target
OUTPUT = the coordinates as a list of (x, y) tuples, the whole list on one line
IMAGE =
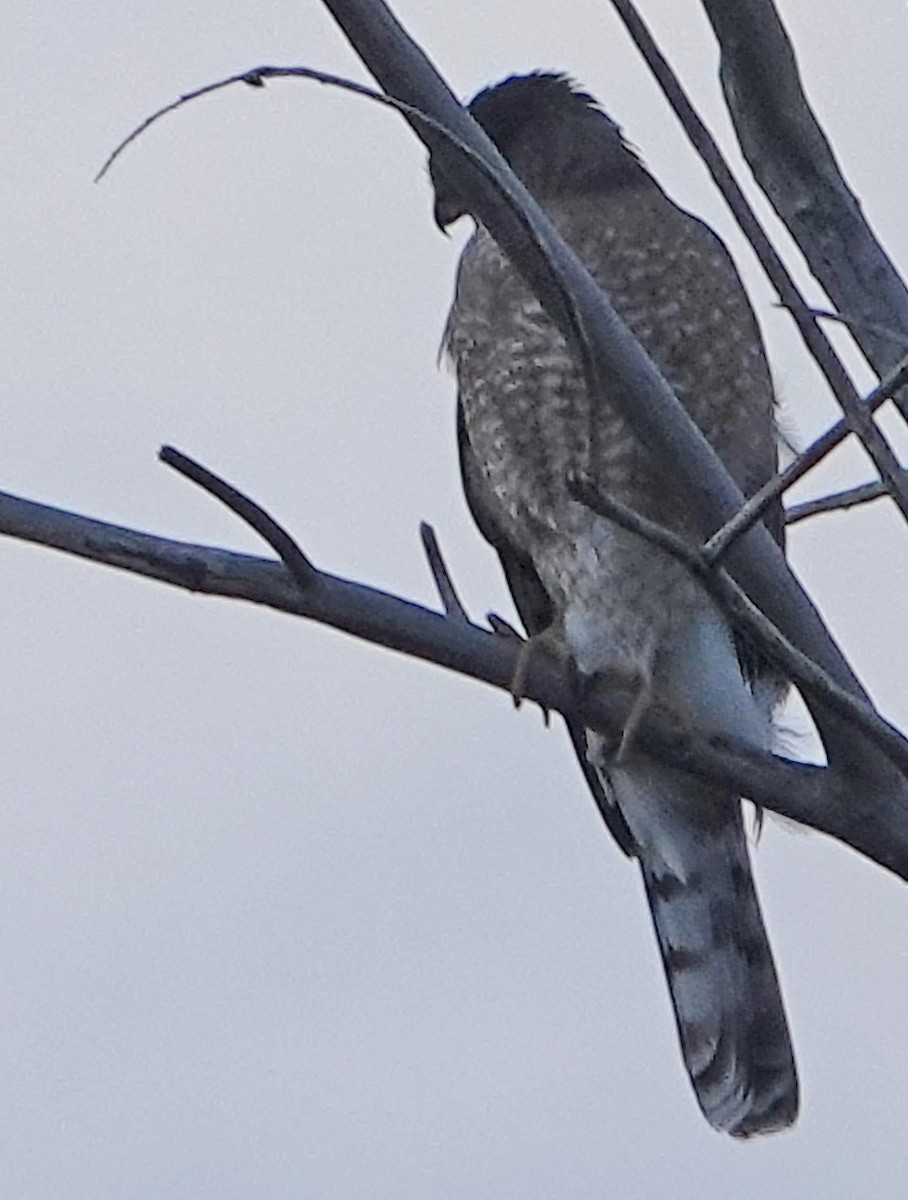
[(280, 541), (485, 160), (250, 78)]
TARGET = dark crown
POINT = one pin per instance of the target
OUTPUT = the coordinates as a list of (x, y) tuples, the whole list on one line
[(554, 136)]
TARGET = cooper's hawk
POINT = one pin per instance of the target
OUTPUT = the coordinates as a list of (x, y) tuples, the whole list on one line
[(613, 604)]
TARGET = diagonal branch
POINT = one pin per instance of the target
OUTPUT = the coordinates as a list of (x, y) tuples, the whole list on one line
[(819, 346), (444, 584), (809, 678), (754, 508), (793, 163), (247, 510)]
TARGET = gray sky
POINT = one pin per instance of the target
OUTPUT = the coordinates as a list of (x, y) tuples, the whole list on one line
[(282, 914)]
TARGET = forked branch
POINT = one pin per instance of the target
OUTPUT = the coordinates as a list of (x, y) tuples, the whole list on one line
[(753, 509), (748, 619), (828, 799)]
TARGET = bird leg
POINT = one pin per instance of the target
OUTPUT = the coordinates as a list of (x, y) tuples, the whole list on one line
[(636, 680), (528, 649), (550, 642), (642, 699)]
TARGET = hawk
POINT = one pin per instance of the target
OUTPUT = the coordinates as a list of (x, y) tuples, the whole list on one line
[(613, 605)]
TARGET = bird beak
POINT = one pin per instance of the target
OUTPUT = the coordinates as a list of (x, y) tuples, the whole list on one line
[(445, 214)]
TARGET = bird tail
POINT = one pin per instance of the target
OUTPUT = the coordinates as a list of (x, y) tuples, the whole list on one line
[(692, 849)]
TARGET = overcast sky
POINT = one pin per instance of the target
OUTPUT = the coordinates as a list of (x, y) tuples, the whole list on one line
[(284, 915)]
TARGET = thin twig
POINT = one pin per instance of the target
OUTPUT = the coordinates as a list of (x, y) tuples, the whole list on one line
[(856, 323), (556, 296), (819, 346), (280, 541), (256, 76), (447, 592), (747, 617), (252, 78), (503, 628), (751, 511), (836, 502)]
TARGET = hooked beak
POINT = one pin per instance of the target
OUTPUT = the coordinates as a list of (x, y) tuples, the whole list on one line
[(446, 211)]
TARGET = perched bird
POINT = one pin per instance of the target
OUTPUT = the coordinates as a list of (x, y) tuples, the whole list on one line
[(613, 605)]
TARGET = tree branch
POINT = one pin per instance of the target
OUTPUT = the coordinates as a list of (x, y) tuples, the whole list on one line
[(866, 493), (859, 797), (831, 800), (754, 508), (444, 584), (247, 510), (747, 618), (819, 346), (793, 163)]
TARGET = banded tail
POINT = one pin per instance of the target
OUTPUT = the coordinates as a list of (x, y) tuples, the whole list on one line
[(692, 848)]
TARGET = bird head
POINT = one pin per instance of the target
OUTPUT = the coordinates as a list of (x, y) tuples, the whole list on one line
[(554, 137)]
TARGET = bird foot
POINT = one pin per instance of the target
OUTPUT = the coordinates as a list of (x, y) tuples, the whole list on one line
[(642, 701), (633, 683), (505, 630), (548, 642), (528, 649)]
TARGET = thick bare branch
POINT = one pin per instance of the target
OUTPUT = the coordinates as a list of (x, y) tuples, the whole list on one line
[(828, 799), (793, 163)]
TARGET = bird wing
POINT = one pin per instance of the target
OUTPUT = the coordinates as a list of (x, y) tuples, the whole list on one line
[(535, 611)]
